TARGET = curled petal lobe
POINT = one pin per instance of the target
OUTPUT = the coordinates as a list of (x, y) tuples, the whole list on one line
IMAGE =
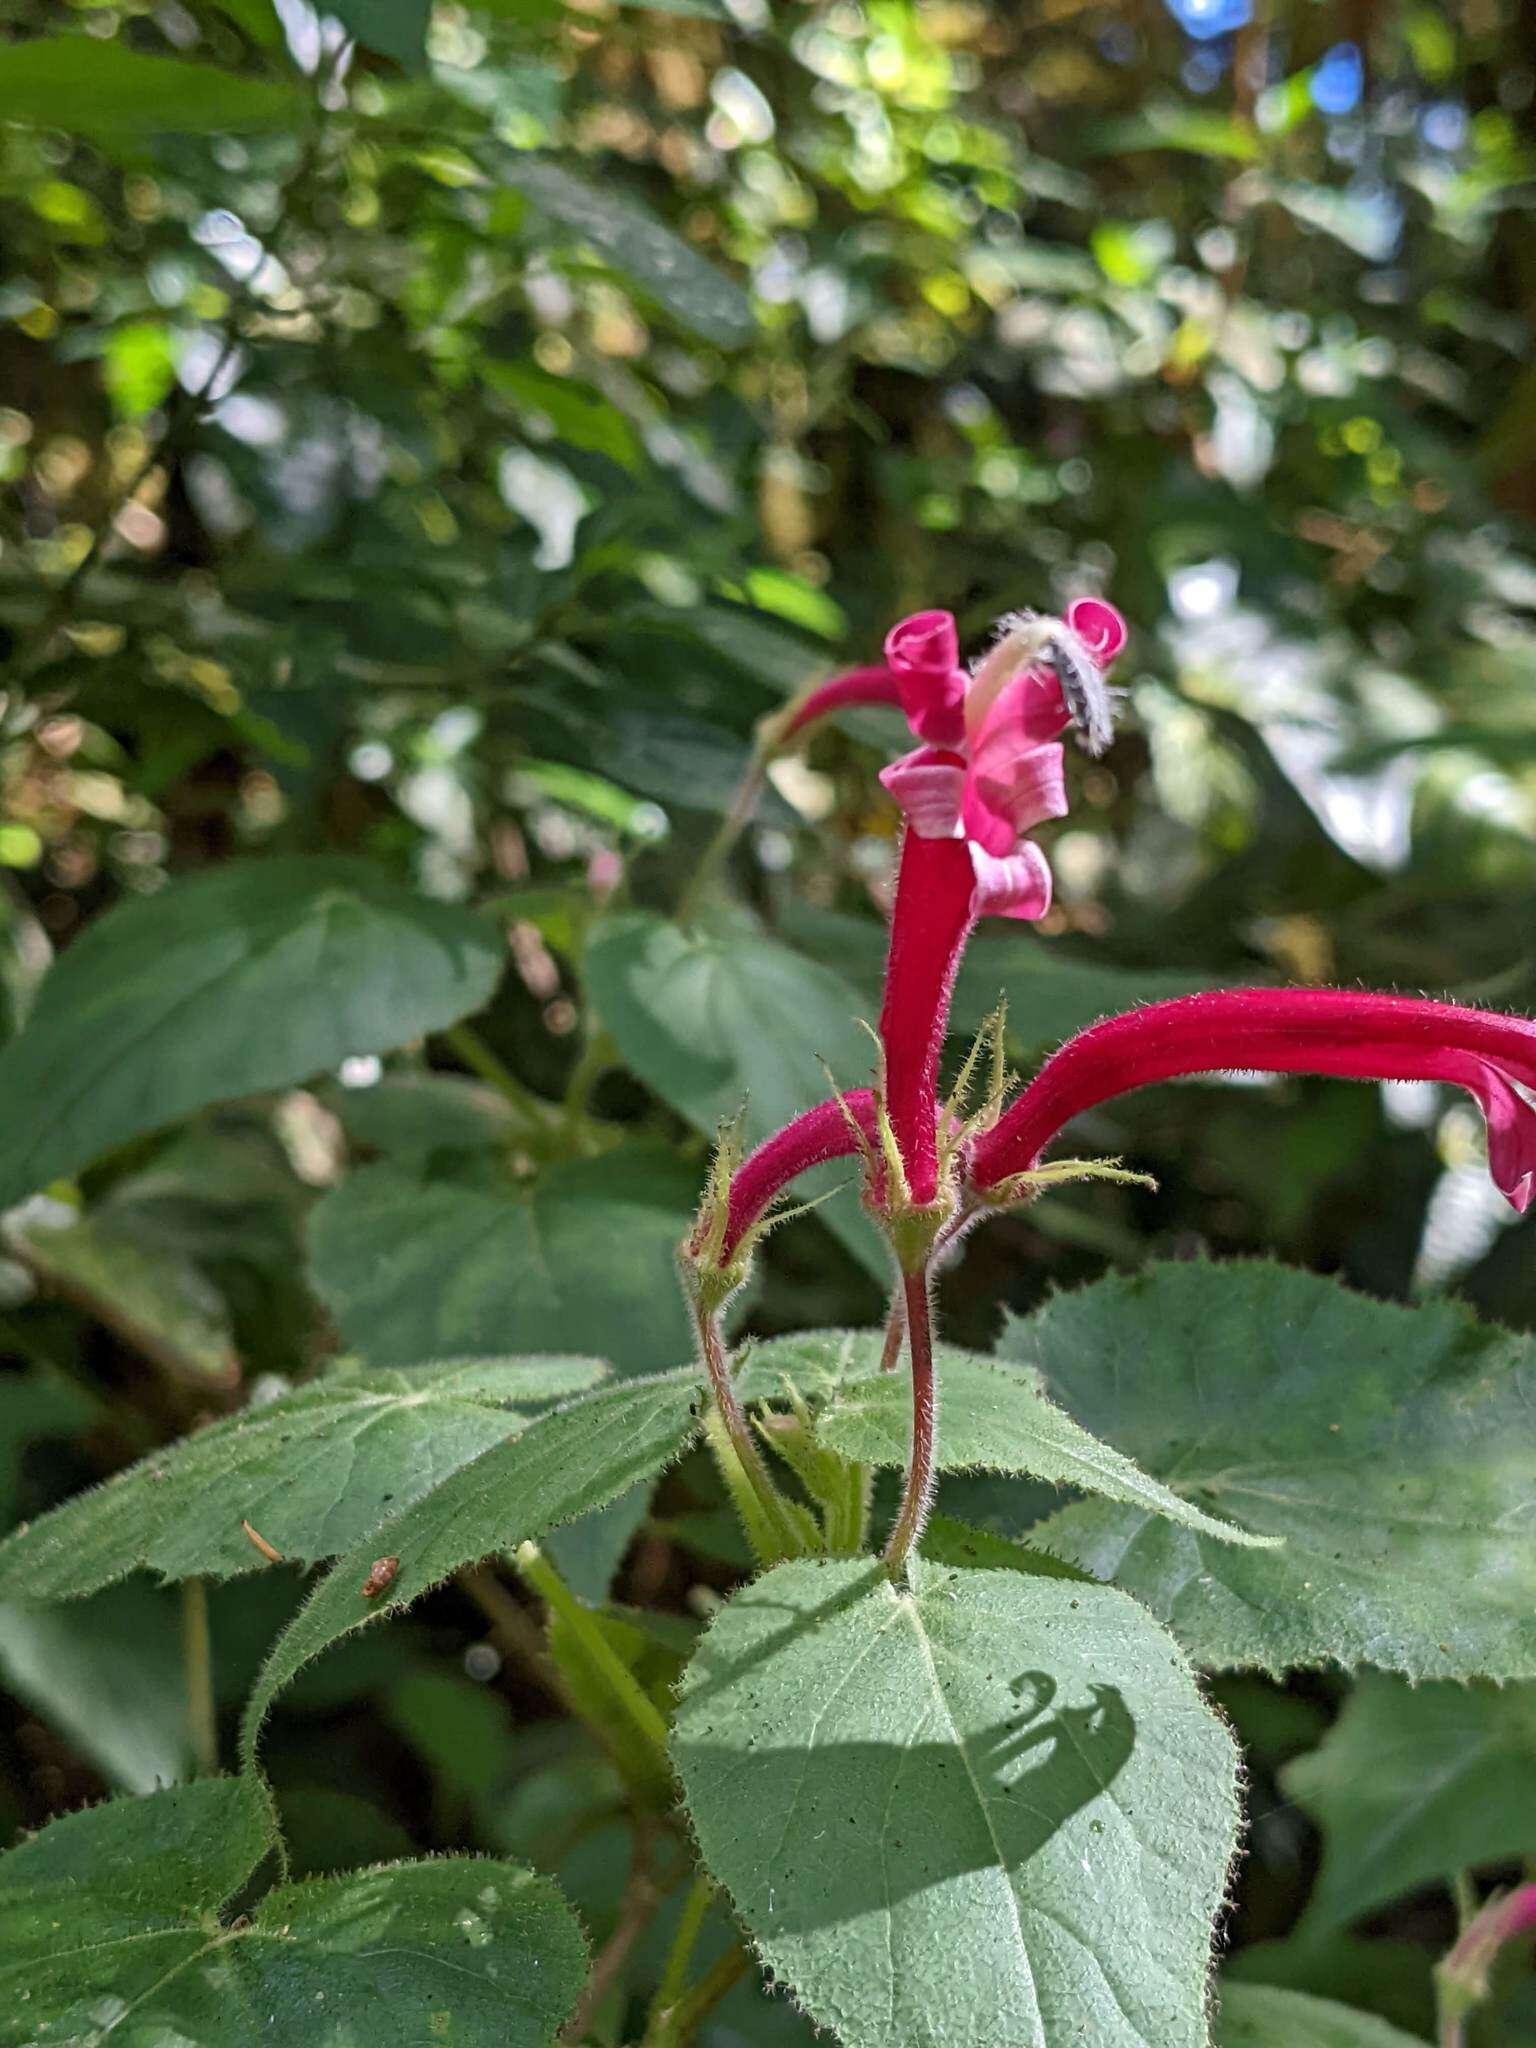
[(924, 654), (928, 784), (1018, 886), (1008, 793), (924, 643), (1099, 626), (1511, 1122)]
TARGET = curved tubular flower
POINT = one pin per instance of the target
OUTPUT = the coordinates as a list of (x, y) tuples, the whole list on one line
[(832, 1130), (854, 686), (1283, 1031)]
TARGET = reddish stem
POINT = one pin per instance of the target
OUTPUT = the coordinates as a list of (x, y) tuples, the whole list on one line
[(930, 924), (917, 1497)]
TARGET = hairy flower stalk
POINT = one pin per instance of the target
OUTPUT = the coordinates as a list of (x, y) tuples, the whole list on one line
[(1283, 1031), (917, 1491)]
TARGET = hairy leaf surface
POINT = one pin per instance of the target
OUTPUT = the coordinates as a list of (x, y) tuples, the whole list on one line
[(563, 1465), (1390, 1447), (110, 1923), (993, 1417), (995, 1810), (311, 1472)]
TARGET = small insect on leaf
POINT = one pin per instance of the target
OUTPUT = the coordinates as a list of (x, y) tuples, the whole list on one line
[(259, 1542), (381, 1577)]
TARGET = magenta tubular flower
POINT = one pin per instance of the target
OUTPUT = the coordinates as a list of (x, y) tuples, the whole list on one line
[(832, 1130), (992, 771), (855, 686), (933, 916), (1284, 1031)]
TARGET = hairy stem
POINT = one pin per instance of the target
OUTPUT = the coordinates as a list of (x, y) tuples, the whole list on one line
[(688, 2015), (917, 1497), (767, 1516), (895, 1330), (669, 1992), (197, 1658)]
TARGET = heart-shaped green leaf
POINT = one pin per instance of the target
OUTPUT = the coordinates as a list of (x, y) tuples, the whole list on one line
[(994, 1808)]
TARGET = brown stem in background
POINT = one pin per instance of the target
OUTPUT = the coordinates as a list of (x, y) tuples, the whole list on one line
[(643, 1893)]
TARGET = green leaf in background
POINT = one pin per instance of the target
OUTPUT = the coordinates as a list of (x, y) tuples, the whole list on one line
[(248, 978), (480, 1952), (311, 1473), (721, 1021), (1413, 1784), (992, 1417), (155, 1299), (424, 1116), (563, 1465), (1390, 1447), (583, 1258), (580, 416), (110, 1678), (1255, 2016), (638, 246), (715, 1020), (34, 1405), (106, 90), (1052, 993), (395, 28), (587, 1553), (995, 1809)]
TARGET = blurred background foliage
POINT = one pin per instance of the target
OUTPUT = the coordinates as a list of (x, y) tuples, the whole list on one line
[(437, 434)]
